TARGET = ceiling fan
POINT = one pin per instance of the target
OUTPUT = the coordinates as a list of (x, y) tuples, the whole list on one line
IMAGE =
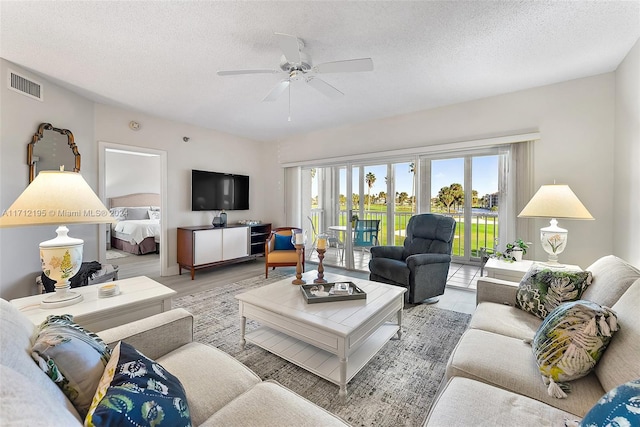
[(297, 66)]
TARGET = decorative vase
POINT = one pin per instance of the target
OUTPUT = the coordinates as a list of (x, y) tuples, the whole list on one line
[(517, 255)]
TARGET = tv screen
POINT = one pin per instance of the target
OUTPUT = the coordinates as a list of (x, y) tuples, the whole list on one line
[(213, 191)]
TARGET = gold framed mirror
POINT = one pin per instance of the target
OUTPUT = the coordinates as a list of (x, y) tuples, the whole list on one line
[(50, 148)]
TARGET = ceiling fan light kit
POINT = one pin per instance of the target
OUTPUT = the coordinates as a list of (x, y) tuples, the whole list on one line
[(298, 66)]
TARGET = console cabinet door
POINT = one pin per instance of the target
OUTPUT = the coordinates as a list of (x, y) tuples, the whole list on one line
[(207, 246), (235, 243)]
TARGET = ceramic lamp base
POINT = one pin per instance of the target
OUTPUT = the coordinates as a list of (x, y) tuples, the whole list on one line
[(61, 298)]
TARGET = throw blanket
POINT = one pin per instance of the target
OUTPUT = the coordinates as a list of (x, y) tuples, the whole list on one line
[(139, 229)]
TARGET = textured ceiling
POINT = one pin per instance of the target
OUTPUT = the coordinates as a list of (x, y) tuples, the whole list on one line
[(161, 58)]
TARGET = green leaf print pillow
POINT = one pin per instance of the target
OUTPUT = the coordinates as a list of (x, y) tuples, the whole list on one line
[(570, 341), (543, 288)]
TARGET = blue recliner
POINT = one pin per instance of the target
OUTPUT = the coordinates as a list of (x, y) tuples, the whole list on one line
[(422, 264)]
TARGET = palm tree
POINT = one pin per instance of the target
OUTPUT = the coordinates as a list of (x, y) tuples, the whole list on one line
[(370, 178)]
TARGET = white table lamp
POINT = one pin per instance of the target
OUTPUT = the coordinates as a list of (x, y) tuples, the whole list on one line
[(57, 198), (554, 201)]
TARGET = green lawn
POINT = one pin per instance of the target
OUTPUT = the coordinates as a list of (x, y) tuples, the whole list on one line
[(482, 233)]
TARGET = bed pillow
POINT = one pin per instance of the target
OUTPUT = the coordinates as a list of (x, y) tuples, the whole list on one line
[(136, 390), (544, 288), (72, 357), (138, 213), (570, 341), (153, 214), (283, 243)]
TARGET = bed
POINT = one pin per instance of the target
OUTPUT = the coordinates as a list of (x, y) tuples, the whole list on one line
[(137, 229)]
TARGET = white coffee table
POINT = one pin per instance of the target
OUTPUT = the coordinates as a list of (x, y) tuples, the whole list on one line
[(139, 297), (333, 340)]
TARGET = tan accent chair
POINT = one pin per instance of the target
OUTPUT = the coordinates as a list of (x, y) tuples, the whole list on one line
[(280, 258)]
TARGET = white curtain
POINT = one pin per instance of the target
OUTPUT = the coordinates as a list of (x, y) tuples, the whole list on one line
[(516, 179)]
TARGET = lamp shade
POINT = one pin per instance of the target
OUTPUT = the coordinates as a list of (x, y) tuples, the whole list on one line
[(55, 198), (555, 201)]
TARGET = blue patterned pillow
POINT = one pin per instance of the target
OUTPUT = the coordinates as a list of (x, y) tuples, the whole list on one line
[(136, 391), (570, 341), (72, 357), (618, 407), (283, 243), (543, 288)]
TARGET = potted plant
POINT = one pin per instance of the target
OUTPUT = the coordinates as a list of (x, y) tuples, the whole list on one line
[(354, 218), (513, 251)]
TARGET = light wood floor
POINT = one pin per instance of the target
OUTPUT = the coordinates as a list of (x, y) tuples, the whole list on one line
[(460, 294)]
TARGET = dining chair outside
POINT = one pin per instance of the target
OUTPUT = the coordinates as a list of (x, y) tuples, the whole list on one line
[(332, 240), (365, 233)]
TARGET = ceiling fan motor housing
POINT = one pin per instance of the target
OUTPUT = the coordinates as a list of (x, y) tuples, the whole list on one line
[(304, 65)]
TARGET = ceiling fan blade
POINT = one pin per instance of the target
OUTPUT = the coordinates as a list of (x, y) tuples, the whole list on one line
[(346, 66), (276, 91), (290, 47), (239, 72), (324, 87)]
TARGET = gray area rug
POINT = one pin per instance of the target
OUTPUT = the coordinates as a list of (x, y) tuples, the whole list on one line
[(396, 388)]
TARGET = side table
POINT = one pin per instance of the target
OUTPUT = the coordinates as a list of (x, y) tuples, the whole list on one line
[(139, 297)]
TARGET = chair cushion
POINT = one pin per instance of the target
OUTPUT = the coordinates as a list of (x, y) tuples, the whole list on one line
[(283, 243), (543, 288), (72, 357), (135, 390), (270, 404), (218, 379), (288, 257), (570, 342), (391, 269)]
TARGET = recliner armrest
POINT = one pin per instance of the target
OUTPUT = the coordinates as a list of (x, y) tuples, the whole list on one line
[(393, 252), (496, 290), (156, 335), (416, 260)]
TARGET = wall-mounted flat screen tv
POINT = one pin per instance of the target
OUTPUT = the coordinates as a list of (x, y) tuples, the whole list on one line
[(213, 191)]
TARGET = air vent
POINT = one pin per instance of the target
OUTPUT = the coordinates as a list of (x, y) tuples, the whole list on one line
[(25, 86)]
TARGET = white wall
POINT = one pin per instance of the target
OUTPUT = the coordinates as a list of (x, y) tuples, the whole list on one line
[(19, 118), (206, 150), (130, 173), (576, 122), (626, 187)]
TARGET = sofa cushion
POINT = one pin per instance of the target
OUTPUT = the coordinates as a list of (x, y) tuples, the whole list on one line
[(508, 363), (465, 402), (619, 407), (27, 401), (611, 278), (218, 379), (135, 390), (621, 363), (571, 341), (72, 357), (269, 404), (505, 320), (542, 288)]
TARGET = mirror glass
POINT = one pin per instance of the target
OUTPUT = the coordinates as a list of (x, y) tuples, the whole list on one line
[(51, 148)]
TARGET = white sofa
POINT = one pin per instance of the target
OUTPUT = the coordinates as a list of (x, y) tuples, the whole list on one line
[(492, 378), (221, 391)]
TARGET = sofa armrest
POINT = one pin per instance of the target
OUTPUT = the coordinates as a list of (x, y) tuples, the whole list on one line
[(156, 335), (496, 290), (393, 252)]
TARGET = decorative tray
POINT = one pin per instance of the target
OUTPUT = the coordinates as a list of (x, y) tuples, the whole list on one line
[(328, 292)]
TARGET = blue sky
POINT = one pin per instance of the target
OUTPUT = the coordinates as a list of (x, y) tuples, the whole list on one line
[(443, 173)]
